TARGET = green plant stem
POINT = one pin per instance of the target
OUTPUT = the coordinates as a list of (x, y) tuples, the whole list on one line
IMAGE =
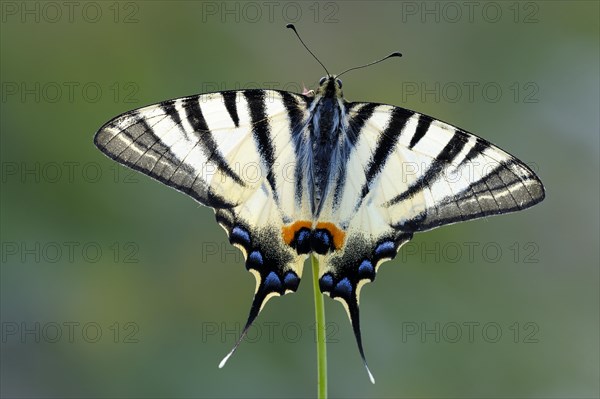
[(320, 330)]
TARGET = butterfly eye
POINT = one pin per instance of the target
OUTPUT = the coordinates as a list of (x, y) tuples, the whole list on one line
[(323, 79), (339, 82)]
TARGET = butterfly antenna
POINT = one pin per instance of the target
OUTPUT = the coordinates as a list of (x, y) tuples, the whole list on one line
[(292, 27), (396, 54)]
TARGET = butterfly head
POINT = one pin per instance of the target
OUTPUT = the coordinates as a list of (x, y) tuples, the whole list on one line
[(330, 87)]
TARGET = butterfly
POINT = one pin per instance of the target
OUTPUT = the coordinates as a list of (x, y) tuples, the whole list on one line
[(291, 175)]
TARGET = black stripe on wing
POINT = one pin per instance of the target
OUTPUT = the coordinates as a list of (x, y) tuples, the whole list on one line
[(230, 100), (169, 109), (356, 122), (443, 159), (422, 128), (386, 145), (207, 141), (262, 133), (480, 146), (296, 115), (141, 136), (504, 189)]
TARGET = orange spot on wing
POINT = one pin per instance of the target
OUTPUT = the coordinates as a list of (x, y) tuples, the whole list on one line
[(288, 232), (337, 234)]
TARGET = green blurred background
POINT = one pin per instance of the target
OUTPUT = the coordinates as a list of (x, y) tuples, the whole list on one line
[(114, 285)]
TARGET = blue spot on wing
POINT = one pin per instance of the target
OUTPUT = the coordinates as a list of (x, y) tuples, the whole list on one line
[(291, 281), (255, 258), (303, 235), (321, 241), (326, 283), (343, 288), (385, 250), (366, 270), (240, 235), (323, 237), (302, 243), (272, 282)]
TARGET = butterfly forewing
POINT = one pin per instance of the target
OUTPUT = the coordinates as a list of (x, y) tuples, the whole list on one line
[(202, 145)]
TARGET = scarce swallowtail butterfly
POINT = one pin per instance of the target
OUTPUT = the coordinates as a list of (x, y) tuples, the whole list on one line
[(347, 182)]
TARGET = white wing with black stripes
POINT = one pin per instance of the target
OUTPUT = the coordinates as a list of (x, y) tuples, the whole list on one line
[(230, 151), (205, 146), (291, 175), (406, 173)]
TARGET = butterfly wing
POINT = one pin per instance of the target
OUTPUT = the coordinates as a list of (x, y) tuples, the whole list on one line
[(229, 151), (407, 173), (424, 173)]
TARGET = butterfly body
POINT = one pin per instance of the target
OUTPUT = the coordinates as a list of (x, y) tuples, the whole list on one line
[(292, 175), (320, 146)]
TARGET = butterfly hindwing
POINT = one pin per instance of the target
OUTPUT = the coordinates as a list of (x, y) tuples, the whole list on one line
[(255, 228)]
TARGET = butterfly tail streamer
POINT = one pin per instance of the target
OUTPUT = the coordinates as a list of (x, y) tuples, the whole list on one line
[(355, 320), (266, 289), (258, 302)]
